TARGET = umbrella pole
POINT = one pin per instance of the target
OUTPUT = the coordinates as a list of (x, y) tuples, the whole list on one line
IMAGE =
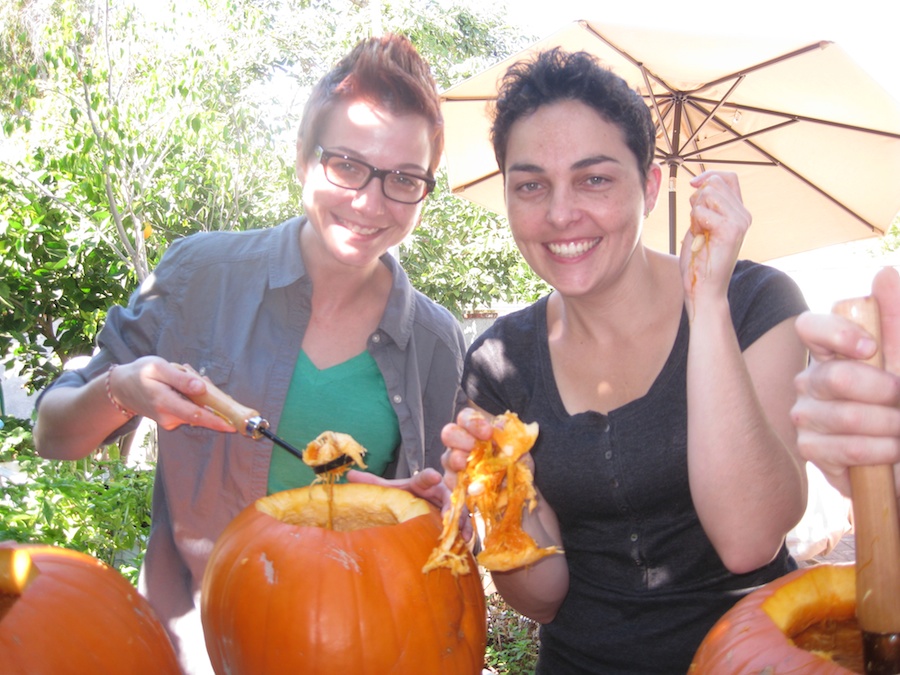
[(673, 170), (875, 524)]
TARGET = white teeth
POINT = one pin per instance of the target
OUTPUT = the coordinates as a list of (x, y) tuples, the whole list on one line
[(572, 249), (363, 231)]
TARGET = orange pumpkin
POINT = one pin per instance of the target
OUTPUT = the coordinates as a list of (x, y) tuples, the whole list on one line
[(803, 622), (284, 594), (62, 611)]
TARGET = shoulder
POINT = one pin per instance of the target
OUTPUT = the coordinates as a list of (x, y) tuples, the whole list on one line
[(410, 314), (216, 247), (752, 279), (512, 341), (435, 319), (505, 361), (761, 297), (515, 327)]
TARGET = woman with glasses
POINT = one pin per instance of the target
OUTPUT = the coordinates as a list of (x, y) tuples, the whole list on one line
[(666, 464), (312, 323)]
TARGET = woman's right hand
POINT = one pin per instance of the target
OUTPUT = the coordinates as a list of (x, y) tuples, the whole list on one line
[(460, 438), (847, 412), (155, 388)]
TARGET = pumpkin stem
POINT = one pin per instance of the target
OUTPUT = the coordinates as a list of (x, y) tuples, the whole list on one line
[(17, 571)]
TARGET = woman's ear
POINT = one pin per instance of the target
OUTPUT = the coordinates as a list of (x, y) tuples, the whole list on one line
[(651, 188)]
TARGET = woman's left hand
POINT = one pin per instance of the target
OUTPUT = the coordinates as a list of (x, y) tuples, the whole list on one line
[(719, 223), (428, 484)]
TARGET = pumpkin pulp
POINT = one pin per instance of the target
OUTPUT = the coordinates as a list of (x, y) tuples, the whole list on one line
[(497, 485), (797, 610), (839, 640)]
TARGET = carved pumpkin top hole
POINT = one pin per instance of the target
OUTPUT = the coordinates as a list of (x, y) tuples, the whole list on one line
[(347, 507)]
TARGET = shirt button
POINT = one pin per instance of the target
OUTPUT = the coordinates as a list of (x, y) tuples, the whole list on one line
[(634, 536), (397, 398), (608, 454), (376, 337)]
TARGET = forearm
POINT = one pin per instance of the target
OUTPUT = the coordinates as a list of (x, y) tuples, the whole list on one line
[(537, 591), (747, 483), (72, 422)]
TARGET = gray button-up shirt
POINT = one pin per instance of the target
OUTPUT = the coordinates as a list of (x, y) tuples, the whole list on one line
[(235, 306)]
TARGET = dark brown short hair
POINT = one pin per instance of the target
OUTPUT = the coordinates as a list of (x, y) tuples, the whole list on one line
[(556, 75), (386, 71)]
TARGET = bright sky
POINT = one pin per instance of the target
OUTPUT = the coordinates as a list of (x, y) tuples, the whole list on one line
[(867, 30)]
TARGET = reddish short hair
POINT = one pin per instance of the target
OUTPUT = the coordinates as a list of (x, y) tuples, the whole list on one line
[(387, 71)]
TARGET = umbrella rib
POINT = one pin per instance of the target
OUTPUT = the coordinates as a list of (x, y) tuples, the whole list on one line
[(654, 99), (772, 161), (775, 162), (738, 137), (711, 114), (765, 64), (798, 118)]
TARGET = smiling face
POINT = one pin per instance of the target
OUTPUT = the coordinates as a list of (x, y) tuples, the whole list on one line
[(575, 196), (355, 227)]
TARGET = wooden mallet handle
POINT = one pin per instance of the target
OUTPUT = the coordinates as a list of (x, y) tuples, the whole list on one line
[(875, 522)]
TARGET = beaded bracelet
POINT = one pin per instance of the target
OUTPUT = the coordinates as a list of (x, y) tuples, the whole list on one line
[(112, 399)]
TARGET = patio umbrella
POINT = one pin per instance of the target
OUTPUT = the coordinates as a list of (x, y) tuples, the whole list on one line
[(813, 138)]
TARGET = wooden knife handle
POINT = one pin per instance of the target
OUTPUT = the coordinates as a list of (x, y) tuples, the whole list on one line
[(217, 401)]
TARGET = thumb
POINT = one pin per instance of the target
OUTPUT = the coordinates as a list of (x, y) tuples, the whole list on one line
[(886, 290)]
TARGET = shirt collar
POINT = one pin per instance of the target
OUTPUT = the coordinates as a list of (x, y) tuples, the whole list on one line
[(285, 262), (400, 312), (286, 267)]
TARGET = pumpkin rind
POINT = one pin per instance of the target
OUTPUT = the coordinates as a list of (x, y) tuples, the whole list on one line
[(279, 597), (752, 637), (78, 615)]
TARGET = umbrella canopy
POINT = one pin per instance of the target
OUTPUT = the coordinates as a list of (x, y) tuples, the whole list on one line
[(813, 138)]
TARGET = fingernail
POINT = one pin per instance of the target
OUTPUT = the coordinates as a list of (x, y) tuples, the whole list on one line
[(866, 345)]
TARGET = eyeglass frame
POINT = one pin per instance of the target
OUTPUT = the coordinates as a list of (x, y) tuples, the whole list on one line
[(324, 155)]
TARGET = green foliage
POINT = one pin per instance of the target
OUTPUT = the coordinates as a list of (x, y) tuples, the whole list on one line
[(97, 506), (891, 240), (466, 257), (513, 642), (128, 125), (56, 285), (117, 143)]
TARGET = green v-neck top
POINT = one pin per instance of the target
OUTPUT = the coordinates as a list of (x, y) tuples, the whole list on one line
[(350, 397)]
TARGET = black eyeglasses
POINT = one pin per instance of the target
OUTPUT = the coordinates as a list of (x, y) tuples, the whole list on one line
[(355, 174)]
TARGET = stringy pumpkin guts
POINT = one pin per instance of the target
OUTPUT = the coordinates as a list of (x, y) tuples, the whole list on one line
[(327, 448), (699, 242), (496, 484)]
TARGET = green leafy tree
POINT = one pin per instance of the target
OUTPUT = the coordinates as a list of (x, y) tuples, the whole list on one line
[(128, 125), (466, 256)]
